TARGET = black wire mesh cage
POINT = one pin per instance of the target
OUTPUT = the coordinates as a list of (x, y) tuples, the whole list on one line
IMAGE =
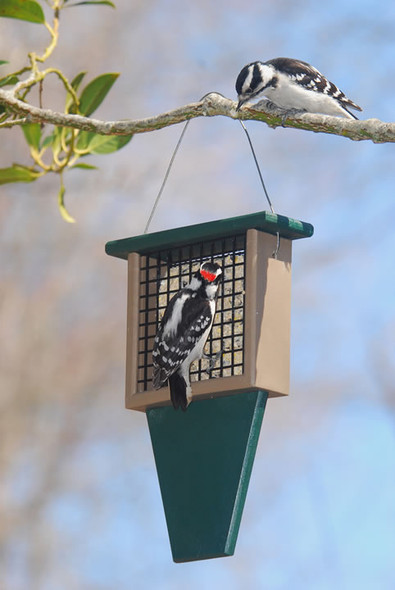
[(164, 273), (250, 333)]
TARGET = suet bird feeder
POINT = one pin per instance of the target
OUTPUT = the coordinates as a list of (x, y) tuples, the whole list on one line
[(204, 456)]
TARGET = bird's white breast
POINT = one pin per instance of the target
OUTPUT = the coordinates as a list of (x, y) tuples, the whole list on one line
[(290, 95)]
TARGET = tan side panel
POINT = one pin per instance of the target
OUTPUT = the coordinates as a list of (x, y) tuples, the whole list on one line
[(274, 315), (132, 326)]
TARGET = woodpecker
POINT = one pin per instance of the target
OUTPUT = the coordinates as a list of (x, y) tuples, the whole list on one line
[(293, 85), (183, 332)]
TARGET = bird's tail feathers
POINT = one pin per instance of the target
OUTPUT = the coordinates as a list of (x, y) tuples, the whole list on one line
[(348, 104), (159, 377), (180, 391), (351, 114)]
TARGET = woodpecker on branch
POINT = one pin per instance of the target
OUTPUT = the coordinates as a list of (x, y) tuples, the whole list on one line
[(293, 85)]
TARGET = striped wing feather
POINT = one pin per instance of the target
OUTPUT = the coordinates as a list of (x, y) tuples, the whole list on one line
[(171, 350), (308, 76)]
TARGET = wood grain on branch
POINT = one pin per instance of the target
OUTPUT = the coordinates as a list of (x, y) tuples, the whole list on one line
[(211, 105)]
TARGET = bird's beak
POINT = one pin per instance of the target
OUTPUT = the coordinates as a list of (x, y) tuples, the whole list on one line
[(240, 104)]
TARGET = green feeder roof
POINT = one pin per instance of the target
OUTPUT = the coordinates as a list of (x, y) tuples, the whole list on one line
[(265, 221)]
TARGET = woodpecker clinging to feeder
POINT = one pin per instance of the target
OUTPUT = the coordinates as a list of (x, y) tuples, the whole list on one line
[(293, 85), (183, 333)]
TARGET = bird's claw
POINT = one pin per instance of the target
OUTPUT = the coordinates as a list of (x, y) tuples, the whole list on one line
[(212, 361), (279, 111), (290, 113)]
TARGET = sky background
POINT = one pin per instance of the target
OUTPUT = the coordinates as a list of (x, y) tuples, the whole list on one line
[(81, 506)]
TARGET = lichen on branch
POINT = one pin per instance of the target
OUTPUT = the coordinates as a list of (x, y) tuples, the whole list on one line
[(211, 105)]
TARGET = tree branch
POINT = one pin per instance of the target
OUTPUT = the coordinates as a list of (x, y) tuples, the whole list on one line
[(211, 105)]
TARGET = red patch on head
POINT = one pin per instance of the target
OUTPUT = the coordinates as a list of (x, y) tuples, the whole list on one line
[(209, 276)]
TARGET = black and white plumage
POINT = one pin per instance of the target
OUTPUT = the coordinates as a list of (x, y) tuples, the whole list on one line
[(183, 332), (292, 84)]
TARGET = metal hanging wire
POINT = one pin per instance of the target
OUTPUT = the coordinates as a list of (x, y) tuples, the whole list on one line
[(257, 166), (275, 253), (166, 177)]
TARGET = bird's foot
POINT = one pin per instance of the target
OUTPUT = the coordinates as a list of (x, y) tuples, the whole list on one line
[(285, 113), (268, 105), (212, 361)]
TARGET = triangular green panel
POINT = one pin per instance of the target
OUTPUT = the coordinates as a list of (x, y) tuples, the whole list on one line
[(204, 458)]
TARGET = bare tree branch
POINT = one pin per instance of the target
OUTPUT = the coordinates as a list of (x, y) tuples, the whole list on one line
[(211, 105)]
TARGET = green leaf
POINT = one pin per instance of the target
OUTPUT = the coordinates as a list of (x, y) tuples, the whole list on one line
[(93, 143), (9, 80), (107, 2), (2, 62), (29, 10), (112, 144), (75, 83), (53, 140), (62, 208), (84, 166), (83, 139), (48, 141), (95, 92), (32, 133), (17, 173)]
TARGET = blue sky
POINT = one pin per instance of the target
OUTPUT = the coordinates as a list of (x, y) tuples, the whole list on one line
[(320, 509)]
